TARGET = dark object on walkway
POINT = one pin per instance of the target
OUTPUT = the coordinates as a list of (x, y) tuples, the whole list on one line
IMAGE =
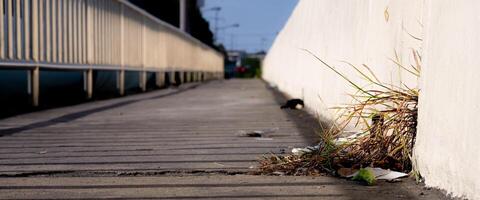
[(293, 104), (254, 134), (258, 133)]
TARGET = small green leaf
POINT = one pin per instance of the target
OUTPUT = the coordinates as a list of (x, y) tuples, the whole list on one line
[(365, 175)]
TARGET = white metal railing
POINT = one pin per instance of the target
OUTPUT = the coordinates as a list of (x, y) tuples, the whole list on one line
[(96, 34)]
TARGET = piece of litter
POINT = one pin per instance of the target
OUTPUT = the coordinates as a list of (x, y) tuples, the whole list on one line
[(351, 138), (365, 175), (383, 174), (346, 172), (394, 180), (272, 85), (264, 139), (42, 152), (392, 175), (256, 133), (309, 149), (279, 173), (222, 165)]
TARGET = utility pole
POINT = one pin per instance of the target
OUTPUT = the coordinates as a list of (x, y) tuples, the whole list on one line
[(232, 42), (227, 27), (263, 41), (183, 15), (217, 18), (215, 35)]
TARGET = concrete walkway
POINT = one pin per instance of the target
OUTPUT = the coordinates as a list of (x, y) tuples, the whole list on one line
[(184, 143)]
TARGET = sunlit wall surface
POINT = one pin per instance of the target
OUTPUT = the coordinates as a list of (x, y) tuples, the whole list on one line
[(373, 33)]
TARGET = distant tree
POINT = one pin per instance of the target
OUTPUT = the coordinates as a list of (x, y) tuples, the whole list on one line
[(169, 10)]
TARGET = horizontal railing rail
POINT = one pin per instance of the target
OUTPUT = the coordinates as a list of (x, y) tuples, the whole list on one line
[(96, 34), (93, 35)]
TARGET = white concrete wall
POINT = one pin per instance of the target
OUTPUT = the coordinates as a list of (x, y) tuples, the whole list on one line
[(359, 32), (447, 147), (341, 30)]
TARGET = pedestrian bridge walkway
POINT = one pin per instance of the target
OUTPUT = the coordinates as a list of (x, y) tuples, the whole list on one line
[(192, 128), (181, 143)]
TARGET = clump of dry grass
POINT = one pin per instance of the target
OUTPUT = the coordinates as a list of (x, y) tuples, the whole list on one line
[(387, 117), (314, 163)]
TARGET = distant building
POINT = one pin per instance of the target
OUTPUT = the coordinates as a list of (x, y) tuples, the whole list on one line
[(236, 57), (234, 60), (259, 55), (241, 64)]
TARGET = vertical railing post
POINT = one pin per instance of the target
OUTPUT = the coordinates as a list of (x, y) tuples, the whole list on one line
[(88, 77), (160, 79), (41, 30), (189, 76), (121, 73), (53, 5), (143, 73), (26, 27), (35, 86), (9, 15), (18, 32), (121, 82), (34, 74), (88, 74), (2, 37), (172, 77), (48, 39)]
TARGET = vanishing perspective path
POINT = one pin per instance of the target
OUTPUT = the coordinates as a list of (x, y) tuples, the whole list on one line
[(182, 143)]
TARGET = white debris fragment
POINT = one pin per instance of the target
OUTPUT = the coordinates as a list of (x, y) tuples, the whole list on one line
[(392, 175), (309, 149), (278, 173), (264, 139), (383, 174), (354, 136)]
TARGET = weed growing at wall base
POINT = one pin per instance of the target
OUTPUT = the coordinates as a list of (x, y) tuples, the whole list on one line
[(386, 116)]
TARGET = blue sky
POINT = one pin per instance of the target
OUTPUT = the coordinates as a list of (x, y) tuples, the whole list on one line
[(260, 21)]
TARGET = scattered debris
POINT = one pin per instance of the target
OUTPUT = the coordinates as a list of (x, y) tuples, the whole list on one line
[(309, 149), (264, 139), (272, 85), (279, 173), (308, 161), (382, 174), (353, 136), (365, 175), (346, 172), (256, 133), (387, 118), (392, 175), (219, 164)]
